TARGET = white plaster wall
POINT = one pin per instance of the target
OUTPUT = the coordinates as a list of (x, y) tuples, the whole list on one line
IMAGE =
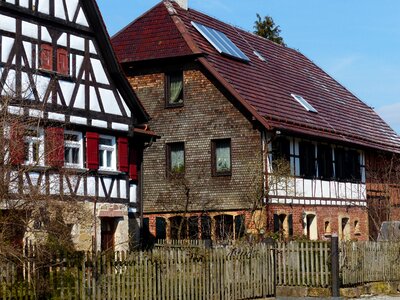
[(81, 20), (109, 102), (44, 6), (7, 23), (59, 9), (29, 30)]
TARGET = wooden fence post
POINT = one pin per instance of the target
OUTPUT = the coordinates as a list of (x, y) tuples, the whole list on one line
[(335, 265)]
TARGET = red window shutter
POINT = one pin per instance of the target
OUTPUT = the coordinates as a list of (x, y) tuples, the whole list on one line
[(92, 150), (133, 163), (55, 146), (123, 154), (46, 57), (17, 151), (62, 61)]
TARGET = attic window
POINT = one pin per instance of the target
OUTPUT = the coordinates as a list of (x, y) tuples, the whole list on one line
[(262, 58), (220, 42), (304, 103)]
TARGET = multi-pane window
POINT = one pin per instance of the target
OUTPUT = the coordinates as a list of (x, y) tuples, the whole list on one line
[(176, 158), (33, 147), (307, 159), (107, 159), (324, 160), (347, 165), (174, 89), (221, 151), (73, 149)]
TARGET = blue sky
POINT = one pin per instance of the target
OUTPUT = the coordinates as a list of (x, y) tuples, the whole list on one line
[(357, 42)]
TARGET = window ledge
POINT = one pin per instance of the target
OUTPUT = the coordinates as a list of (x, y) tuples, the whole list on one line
[(222, 174), (109, 172), (76, 169), (54, 73)]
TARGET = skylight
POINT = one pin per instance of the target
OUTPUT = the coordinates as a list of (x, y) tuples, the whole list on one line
[(304, 103), (220, 42), (256, 53)]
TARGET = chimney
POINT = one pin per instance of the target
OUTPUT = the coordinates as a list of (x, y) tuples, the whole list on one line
[(182, 3)]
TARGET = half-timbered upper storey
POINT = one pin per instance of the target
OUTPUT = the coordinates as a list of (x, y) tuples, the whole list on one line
[(55, 53), (73, 127)]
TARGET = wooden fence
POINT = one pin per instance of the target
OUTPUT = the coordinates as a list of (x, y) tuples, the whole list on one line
[(303, 264), (362, 262), (223, 273), (196, 272)]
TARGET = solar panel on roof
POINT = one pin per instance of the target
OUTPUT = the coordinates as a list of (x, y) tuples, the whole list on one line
[(220, 41), (304, 103)]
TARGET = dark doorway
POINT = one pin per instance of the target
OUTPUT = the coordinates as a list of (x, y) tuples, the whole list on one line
[(108, 226)]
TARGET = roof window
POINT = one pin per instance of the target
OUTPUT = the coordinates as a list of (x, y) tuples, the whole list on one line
[(220, 42), (304, 103), (258, 54)]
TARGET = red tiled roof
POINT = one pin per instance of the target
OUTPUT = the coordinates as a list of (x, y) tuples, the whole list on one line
[(263, 87), (152, 36)]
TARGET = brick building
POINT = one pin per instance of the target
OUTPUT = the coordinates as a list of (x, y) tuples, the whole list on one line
[(254, 136)]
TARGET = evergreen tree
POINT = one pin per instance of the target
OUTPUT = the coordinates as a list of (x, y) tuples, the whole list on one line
[(266, 28)]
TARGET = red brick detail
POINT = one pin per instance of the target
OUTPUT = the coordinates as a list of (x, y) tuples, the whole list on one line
[(323, 213)]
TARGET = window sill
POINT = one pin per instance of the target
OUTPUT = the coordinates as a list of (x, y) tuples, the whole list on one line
[(109, 172), (77, 169), (174, 176), (54, 73), (222, 174), (177, 105)]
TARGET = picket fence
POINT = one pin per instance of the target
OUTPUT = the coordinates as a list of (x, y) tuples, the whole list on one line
[(223, 273), (192, 271), (363, 262)]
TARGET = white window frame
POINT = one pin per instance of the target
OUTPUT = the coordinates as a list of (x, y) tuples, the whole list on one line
[(107, 148), (31, 140), (74, 144)]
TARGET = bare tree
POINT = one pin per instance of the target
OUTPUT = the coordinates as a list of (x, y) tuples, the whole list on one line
[(34, 213), (383, 190)]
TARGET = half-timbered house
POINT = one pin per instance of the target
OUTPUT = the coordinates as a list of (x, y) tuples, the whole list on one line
[(86, 131), (251, 132)]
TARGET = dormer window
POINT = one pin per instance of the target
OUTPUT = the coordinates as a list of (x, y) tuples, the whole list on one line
[(304, 103)]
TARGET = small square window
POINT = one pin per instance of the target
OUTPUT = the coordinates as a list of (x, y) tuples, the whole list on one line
[(221, 157), (174, 89), (176, 159), (73, 149), (107, 153)]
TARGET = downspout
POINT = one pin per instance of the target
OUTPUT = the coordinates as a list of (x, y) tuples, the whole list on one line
[(264, 155)]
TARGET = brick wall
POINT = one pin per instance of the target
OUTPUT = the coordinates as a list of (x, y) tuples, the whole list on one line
[(331, 214), (206, 115)]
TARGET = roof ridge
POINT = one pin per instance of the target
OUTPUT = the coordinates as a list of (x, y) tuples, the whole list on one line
[(135, 20)]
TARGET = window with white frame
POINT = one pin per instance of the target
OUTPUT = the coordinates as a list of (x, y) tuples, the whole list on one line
[(34, 147), (73, 149), (107, 153)]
